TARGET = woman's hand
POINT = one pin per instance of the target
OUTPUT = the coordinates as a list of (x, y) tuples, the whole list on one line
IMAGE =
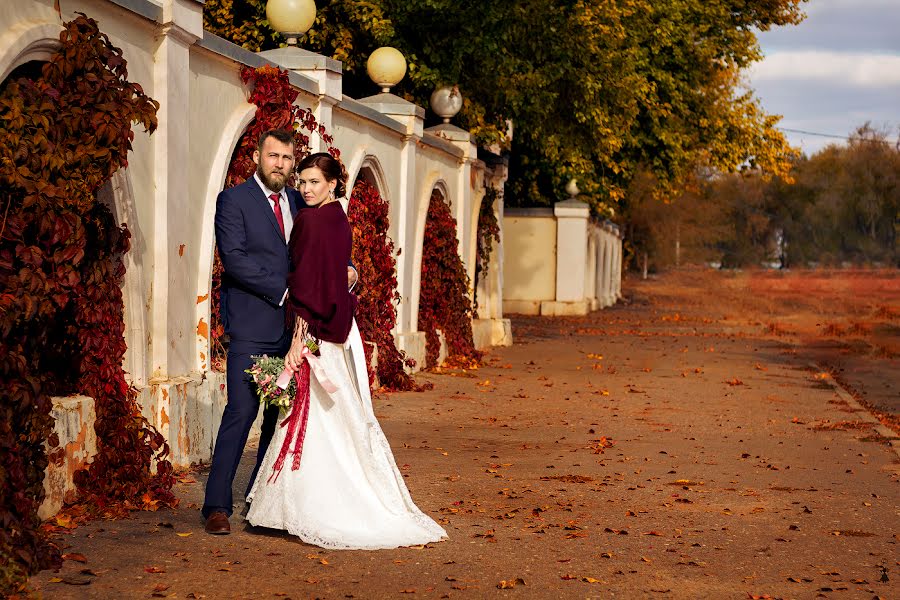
[(294, 357)]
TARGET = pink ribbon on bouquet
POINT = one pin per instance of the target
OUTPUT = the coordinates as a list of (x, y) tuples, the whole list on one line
[(297, 420)]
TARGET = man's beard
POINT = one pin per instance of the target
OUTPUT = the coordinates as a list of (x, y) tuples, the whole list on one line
[(271, 182)]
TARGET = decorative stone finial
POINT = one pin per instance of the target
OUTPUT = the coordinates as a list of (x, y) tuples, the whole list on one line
[(291, 18), (446, 101), (386, 67)]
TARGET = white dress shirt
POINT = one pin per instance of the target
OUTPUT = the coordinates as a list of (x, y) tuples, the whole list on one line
[(283, 202), (286, 216)]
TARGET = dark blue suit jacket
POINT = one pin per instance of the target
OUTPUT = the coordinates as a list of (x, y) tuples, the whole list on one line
[(254, 255)]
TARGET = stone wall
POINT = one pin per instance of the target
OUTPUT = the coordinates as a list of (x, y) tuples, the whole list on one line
[(558, 261)]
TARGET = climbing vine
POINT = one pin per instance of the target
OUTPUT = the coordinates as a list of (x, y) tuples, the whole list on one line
[(487, 233), (63, 135), (272, 94), (444, 300), (373, 256)]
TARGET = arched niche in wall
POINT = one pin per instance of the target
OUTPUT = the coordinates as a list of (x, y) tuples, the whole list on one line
[(437, 190), (371, 172), (26, 43), (118, 195), (231, 134)]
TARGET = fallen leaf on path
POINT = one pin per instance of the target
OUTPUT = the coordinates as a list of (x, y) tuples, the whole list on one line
[(154, 570), (74, 556), (511, 583), (590, 580), (734, 381)]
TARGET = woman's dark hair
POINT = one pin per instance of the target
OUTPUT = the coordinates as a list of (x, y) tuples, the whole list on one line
[(331, 168)]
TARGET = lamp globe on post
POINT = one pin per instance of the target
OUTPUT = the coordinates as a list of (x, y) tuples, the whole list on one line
[(291, 18), (446, 101), (386, 67)]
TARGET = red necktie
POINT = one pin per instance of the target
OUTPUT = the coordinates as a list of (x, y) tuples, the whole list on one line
[(277, 200)]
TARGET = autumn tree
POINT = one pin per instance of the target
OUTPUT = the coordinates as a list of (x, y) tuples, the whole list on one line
[(598, 90)]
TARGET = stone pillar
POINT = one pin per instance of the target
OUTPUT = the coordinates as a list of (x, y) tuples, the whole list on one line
[(617, 266), (609, 297), (411, 116), (571, 258), (171, 319), (602, 249), (325, 71), (172, 315)]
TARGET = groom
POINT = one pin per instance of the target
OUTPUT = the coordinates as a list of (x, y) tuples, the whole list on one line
[(253, 225)]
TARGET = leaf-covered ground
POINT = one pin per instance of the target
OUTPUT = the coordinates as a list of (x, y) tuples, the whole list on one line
[(679, 445)]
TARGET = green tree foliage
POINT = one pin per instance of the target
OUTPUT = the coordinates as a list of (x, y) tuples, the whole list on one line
[(595, 89), (845, 204)]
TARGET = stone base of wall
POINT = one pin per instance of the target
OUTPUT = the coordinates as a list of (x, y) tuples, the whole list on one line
[(187, 411), (74, 425), (564, 309), (491, 332), (413, 344), (522, 307)]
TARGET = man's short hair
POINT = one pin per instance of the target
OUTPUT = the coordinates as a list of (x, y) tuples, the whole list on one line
[(282, 135)]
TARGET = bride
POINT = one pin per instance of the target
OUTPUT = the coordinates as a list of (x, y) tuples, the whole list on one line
[(329, 476)]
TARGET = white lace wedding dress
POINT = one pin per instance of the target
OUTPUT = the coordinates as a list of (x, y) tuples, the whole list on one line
[(348, 492)]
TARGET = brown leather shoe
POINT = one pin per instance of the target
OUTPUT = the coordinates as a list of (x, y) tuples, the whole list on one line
[(217, 523)]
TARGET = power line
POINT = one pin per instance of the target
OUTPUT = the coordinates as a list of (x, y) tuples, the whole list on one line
[(831, 135)]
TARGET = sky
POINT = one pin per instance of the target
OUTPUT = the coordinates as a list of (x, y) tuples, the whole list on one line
[(833, 72)]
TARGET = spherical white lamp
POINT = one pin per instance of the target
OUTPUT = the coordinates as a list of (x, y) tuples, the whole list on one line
[(291, 18), (446, 101), (386, 67)]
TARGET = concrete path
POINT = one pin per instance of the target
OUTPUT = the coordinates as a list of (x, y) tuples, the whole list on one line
[(641, 452)]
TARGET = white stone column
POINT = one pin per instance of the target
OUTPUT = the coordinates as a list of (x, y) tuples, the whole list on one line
[(174, 257), (617, 267), (609, 295), (326, 72), (602, 281), (571, 257), (412, 117)]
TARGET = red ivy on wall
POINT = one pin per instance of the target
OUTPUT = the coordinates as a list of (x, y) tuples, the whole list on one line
[(444, 300), (373, 255), (275, 109), (487, 233), (62, 136)]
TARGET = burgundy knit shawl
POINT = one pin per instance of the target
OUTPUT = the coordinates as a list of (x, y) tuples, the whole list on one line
[(320, 246)]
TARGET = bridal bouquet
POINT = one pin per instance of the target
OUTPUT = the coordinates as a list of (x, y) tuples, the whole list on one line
[(274, 385)]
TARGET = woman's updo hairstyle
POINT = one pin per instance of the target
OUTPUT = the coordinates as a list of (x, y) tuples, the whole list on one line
[(331, 168)]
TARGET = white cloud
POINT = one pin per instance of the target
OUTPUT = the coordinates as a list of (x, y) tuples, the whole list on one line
[(845, 68)]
